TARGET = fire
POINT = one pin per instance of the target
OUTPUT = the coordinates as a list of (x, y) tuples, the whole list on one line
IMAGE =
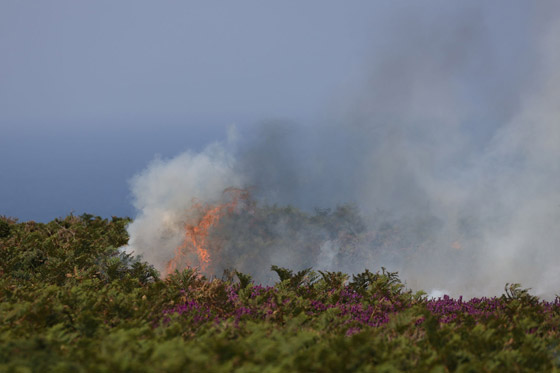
[(196, 236)]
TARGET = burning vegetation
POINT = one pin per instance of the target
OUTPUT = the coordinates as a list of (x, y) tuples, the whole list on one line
[(238, 233), (196, 244)]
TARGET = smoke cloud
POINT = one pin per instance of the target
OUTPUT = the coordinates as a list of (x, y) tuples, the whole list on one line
[(166, 190), (448, 148)]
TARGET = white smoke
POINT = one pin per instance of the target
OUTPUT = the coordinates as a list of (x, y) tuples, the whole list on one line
[(166, 191), (500, 201), (455, 138)]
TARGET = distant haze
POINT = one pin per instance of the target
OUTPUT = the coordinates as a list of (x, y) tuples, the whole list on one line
[(91, 91)]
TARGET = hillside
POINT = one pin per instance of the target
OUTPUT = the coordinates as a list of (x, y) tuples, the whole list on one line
[(70, 301)]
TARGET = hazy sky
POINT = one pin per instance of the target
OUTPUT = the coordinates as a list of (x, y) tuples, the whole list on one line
[(91, 91)]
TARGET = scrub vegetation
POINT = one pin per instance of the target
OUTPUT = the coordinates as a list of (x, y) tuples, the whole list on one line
[(70, 301)]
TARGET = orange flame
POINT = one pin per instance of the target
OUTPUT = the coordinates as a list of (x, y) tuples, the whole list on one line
[(196, 236)]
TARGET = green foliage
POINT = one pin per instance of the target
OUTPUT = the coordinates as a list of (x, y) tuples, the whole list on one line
[(284, 273), (516, 292), (334, 280), (295, 280), (71, 301), (4, 228), (386, 283), (244, 279)]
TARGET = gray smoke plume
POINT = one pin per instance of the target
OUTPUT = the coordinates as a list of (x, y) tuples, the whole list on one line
[(166, 191), (449, 149)]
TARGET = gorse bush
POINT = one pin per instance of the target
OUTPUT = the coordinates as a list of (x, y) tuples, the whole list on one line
[(71, 301)]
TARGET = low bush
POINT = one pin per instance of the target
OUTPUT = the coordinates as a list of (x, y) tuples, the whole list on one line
[(70, 301)]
